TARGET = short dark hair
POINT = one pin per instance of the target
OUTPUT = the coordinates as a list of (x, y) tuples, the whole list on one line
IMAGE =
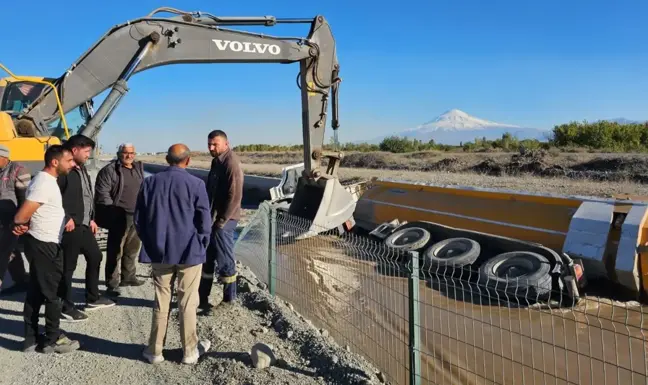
[(55, 151), (79, 141), (216, 133)]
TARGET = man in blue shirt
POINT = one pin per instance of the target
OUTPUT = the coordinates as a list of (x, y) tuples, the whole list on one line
[(173, 222)]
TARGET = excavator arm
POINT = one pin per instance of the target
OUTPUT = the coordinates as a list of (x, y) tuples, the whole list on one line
[(194, 37), (153, 41)]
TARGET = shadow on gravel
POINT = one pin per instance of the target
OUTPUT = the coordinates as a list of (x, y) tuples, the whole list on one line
[(78, 296), (11, 327), (106, 347)]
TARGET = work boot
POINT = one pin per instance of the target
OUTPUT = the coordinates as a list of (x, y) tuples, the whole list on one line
[(62, 345), (29, 345), (112, 292), (73, 315), (202, 348), (205, 308), (135, 282), (229, 292), (100, 303)]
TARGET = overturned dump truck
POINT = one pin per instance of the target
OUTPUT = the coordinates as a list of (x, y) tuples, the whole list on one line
[(531, 246)]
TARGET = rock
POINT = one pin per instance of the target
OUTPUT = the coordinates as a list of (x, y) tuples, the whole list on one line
[(262, 356), (381, 377), (290, 306), (282, 363), (262, 286), (347, 348), (289, 334), (324, 333), (335, 359), (256, 332)]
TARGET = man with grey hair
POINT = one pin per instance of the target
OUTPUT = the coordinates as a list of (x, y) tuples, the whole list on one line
[(14, 179), (115, 196)]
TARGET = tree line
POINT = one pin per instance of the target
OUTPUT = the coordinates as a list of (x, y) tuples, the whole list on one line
[(600, 136)]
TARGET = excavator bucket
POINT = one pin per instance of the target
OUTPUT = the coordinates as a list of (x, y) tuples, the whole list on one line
[(324, 202)]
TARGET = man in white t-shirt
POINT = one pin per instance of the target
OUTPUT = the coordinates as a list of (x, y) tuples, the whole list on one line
[(41, 222)]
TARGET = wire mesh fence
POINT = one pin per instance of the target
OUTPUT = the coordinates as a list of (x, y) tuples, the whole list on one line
[(432, 323)]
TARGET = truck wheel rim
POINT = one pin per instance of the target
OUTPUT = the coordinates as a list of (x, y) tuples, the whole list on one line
[(452, 249), (515, 267), (409, 237)]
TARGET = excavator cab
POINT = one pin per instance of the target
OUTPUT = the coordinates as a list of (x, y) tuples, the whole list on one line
[(26, 144)]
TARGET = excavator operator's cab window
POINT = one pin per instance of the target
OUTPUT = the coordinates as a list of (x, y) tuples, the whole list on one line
[(19, 95), (75, 119)]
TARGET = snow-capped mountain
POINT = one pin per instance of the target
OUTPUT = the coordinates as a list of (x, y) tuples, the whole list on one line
[(457, 120), (455, 126)]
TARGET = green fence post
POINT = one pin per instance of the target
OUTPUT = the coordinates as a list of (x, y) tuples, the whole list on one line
[(272, 249), (414, 321)]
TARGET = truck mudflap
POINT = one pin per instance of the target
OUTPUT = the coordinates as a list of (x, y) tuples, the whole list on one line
[(502, 267)]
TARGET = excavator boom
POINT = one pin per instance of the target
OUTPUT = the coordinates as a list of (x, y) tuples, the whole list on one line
[(195, 37)]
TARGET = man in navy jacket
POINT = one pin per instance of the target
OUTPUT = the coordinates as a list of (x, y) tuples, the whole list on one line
[(173, 221)]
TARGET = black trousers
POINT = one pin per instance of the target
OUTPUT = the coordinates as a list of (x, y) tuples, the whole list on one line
[(45, 276), (8, 242), (80, 241)]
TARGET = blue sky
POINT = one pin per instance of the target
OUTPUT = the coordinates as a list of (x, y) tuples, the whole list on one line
[(531, 63)]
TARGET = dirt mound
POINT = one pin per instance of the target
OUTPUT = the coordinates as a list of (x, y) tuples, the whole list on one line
[(374, 160), (629, 165), (488, 167), (447, 164), (537, 163)]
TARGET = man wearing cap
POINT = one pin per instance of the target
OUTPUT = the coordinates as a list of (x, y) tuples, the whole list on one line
[(115, 196), (14, 179)]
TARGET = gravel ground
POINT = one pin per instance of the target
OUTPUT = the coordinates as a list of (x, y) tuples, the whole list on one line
[(113, 338)]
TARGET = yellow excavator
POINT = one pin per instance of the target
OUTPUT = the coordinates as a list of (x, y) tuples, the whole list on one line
[(17, 93), (37, 112)]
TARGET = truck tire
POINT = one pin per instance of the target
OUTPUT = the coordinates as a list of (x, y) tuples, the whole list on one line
[(409, 238), (519, 273), (452, 252)]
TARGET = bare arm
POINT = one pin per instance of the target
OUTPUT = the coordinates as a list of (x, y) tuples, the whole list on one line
[(25, 212)]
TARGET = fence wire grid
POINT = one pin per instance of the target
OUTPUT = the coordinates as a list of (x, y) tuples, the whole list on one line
[(454, 325)]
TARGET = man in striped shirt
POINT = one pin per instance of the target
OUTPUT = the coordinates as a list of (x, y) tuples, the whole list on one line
[(14, 179)]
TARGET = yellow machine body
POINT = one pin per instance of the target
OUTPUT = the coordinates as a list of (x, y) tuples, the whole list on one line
[(26, 149)]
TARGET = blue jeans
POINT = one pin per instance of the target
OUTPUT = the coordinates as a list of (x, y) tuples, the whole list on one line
[(220, 257)]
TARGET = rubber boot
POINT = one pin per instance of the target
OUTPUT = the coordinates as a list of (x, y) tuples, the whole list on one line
[(229, 292)]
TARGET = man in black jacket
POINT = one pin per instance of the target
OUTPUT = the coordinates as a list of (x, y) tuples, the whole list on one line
[(80, 228), (115, 196)]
